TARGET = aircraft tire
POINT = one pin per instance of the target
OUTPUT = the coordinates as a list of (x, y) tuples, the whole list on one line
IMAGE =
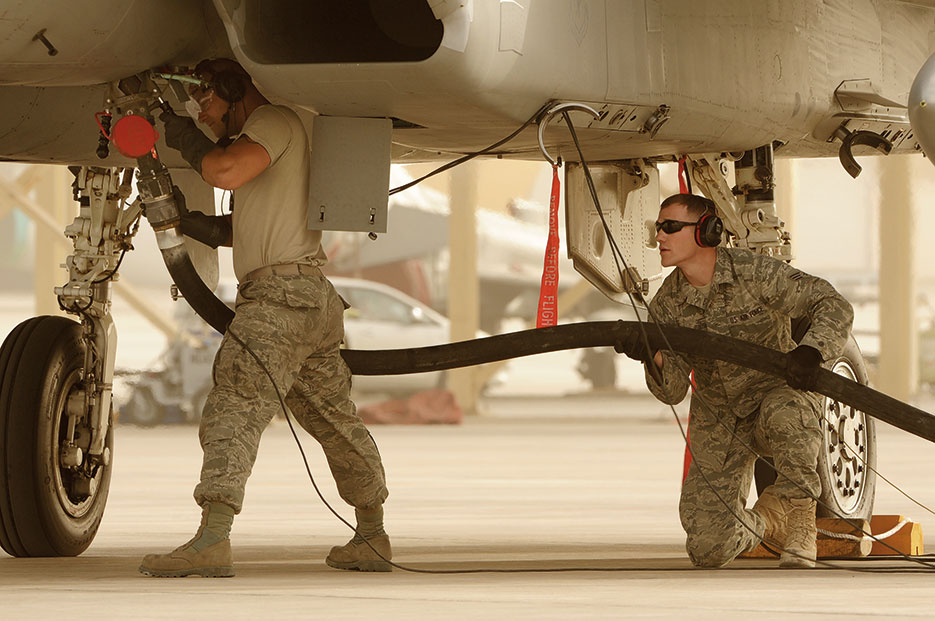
[(42, 510), (848, 447)]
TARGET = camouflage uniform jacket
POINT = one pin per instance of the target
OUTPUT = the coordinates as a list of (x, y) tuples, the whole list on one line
[(752, 297)]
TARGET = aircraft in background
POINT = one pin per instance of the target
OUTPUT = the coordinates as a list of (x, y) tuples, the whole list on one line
[(724, 87)]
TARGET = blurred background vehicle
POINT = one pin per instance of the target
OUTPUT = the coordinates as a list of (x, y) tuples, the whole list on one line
[(380, 317)]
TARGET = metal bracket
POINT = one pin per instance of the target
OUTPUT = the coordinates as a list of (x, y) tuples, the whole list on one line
[(857, 95), (866, 118), (849, 139), (655, 121)]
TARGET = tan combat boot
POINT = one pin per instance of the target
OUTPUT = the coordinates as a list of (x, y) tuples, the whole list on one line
[(207, 554), (790, 524), (801, 534), (356, 554)]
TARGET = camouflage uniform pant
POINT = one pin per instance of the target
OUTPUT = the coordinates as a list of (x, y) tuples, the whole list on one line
[(294, 324), (786, 427)]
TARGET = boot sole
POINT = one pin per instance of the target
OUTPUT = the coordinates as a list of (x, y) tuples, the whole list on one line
[(204, 572), (361, 565), (794, 562)]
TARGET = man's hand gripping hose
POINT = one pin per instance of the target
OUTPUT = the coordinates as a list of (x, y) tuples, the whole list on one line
[(212, 231), (802, 365)]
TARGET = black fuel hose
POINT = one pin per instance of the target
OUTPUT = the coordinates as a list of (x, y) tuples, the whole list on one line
[(606, 333), (202, 300), (556, 338)]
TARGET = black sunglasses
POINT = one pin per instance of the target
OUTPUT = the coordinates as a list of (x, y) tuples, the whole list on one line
[(673, 226)]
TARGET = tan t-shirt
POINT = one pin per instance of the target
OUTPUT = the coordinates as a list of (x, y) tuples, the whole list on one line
[(270, 211)]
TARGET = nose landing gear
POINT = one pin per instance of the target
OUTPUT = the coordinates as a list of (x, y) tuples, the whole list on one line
[(56, 379)]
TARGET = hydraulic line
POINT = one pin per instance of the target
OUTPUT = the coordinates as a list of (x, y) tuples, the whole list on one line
[(606, 333)]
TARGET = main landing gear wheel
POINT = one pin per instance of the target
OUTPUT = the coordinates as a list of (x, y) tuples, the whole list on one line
[(849, 442), (47, 508), (848, 447)]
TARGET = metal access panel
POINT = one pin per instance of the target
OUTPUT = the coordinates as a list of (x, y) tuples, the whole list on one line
[(350, 174), (629, 199)]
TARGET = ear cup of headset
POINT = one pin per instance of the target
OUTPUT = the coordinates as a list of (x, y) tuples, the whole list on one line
[(708, 231), (229, 86)]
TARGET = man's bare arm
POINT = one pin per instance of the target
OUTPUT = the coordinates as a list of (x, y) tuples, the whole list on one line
[(231, 167)]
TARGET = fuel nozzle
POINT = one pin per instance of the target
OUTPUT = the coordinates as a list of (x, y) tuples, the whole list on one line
[(155, 187)]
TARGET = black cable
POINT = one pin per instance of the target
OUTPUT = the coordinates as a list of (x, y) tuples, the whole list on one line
[(77, 310), (616, 250), (471, 156), (110, 273), (478, 570)]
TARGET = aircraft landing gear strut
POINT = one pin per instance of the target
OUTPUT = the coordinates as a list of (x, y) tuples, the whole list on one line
[(56, 380)]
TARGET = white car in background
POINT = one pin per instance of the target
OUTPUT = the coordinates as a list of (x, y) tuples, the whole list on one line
[(380, 317)]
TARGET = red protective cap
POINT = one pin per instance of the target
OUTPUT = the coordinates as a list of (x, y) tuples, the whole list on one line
[(134, 136)]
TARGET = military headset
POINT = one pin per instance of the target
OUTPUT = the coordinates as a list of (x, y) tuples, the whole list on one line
[(709, 228), (228, 84)]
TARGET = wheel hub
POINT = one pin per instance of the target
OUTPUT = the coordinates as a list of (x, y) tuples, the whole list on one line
[(844, 433), (75, 480)]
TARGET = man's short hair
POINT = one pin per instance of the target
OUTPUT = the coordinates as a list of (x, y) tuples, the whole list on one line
[(696, 206)]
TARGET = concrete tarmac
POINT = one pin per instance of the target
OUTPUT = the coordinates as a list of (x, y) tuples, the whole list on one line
[(581, 493)]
